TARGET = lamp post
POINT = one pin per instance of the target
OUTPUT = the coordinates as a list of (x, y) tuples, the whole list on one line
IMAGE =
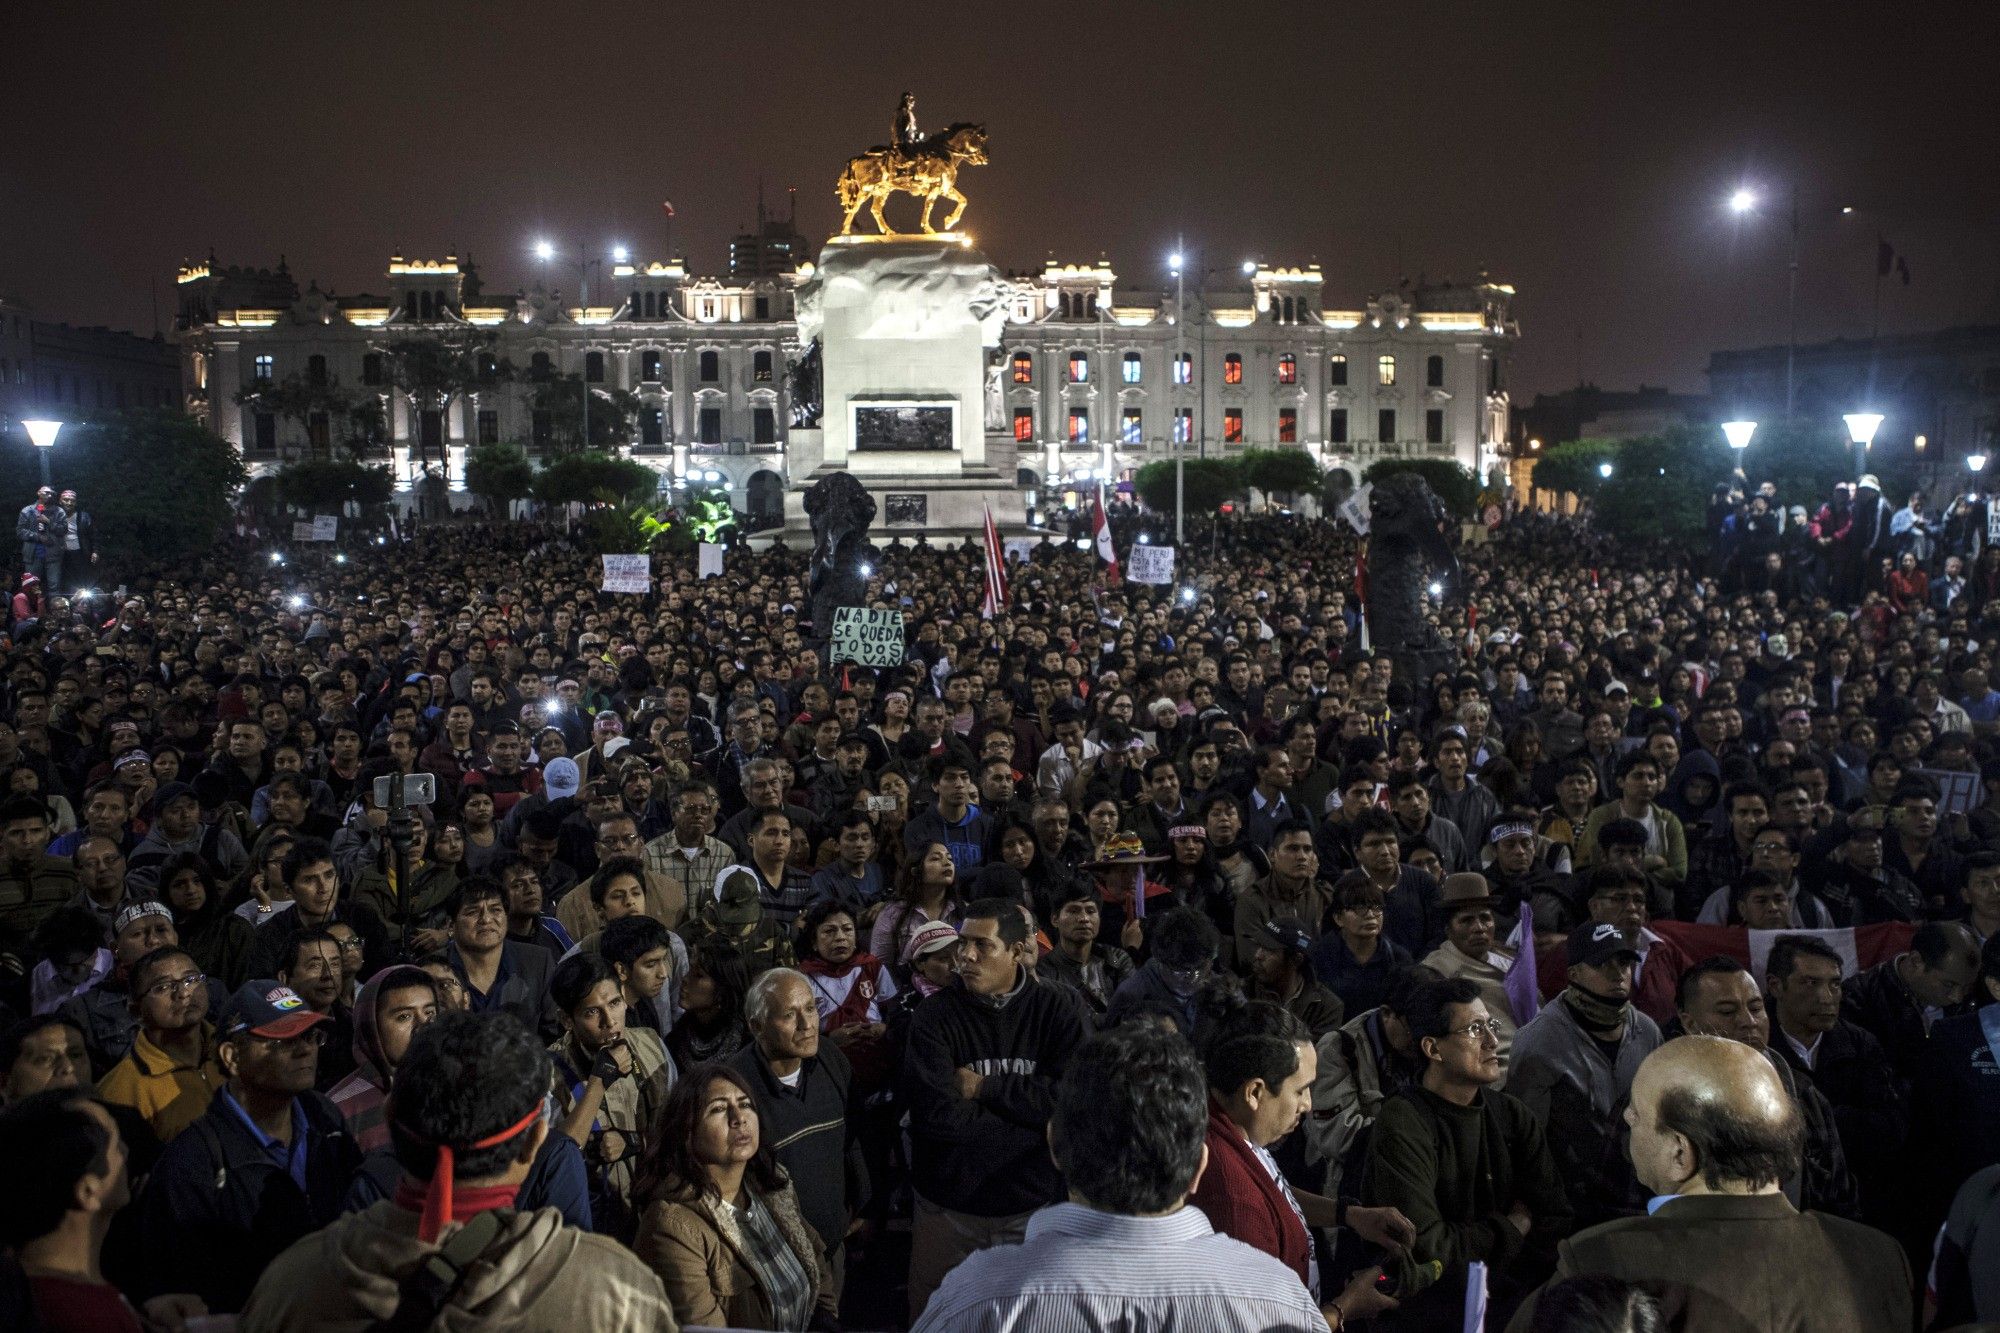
[(1174, 262), (42, 434), (1861, 428), (544, 251), (1604, 471), (1738, 434), (1744, 200)]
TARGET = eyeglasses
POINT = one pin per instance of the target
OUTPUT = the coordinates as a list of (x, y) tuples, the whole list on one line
[(352, 944), (1478, 1031), (175, 985), (619, 840)]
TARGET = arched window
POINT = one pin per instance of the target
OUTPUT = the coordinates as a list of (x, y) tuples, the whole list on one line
[(649, 365), (1024, 368), (316, 370), (1232, 368), (1079, 367), (1385, 371), (1184, 368), (539, 368), (1434, 372), (1135, 367), (1288, 368), (711, 366), (1336, 370)]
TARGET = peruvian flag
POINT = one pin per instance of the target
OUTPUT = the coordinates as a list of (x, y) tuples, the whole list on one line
[(996, 571), (1106, 552)]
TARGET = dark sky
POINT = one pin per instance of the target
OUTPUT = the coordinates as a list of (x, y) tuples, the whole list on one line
[(1580, 151)]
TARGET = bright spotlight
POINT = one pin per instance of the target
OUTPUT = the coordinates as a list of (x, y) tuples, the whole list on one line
[(866, 569), (1742, 201), (297, 602), (340, 559), (1604, 470), (1437, 589), (543, 250), (1174, 261), (619, 254), (277, 557), (1249, 266), (1187, 595)]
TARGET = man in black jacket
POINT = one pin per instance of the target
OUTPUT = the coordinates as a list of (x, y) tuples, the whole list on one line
[(1897, 1000), (803, 1088), (317, 900), (267, 1162), (979, 1078)]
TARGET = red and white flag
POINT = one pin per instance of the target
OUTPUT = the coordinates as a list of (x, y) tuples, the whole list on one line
[(1105, 550), (996, 571)]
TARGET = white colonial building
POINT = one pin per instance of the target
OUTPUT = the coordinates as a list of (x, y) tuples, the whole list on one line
[(1091, 380)]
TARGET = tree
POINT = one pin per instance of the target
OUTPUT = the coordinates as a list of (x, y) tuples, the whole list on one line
[(1286, 472), (1452, 482), (1574, 468), (499, 474), (595, 478), (157, 484), (297, 399), (613, 413), (432, 368), (328, 485), (1209, 482)]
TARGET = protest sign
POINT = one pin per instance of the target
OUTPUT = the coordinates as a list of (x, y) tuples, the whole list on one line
[(1958, 793), (1150, 564), (710, 566), (867, 637), (627, 573), (325, 528)]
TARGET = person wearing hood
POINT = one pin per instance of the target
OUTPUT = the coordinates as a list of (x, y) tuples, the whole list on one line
[(178, 828), (1184, 947), (217, 938), (394, 1004), (466, 1145), (1693, 788)]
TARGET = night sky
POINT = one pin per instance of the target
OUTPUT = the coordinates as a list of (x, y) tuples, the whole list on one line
[(1578, 151)]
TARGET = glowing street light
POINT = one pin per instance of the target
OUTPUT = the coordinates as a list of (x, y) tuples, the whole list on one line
[(619, 254), (1743, 200), (544, 251), (1975, 463), (1249, 267), (1604, 470), (1861, 427), (1738, 433), (42, 434), (1174, 261)]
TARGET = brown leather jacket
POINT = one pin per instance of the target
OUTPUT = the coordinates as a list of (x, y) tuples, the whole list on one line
[(690, 1240)]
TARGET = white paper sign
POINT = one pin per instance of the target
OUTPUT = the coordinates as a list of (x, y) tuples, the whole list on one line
[(302, 530), (1150, 564), (710, 557), (867, 637), (1993, 522), (1354, 509), (627, 573), (1958, 793), (325, 528), (1018, 548)]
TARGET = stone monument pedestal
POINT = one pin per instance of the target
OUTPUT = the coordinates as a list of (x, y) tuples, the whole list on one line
[(905, 324)]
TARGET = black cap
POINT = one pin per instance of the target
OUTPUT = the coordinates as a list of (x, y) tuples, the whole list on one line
[(1592, 945)]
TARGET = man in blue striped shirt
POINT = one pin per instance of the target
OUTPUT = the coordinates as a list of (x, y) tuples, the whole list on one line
[(1128, 1250)]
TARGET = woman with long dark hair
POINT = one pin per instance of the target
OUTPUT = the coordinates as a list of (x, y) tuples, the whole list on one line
[(711, 1025), (217, 939), (926, 890), (721, 1223)]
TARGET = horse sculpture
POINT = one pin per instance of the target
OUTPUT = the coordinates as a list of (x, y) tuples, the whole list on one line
[(1406, 549), (927, 169)]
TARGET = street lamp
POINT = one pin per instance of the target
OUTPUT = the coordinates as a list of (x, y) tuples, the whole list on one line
[(1744, 200), (1975, 463), (1738, 434), (1174, 262), (42, 434), (1861, 428), (1604, 471)]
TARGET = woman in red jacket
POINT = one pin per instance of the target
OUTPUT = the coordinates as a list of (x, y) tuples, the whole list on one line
[(1261, 1065)]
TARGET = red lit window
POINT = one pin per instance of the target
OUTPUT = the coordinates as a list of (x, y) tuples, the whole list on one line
[(1232, 426), (1288, 370), (1232, 369)]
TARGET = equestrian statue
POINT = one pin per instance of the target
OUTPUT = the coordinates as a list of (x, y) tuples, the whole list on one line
[(922, 165)]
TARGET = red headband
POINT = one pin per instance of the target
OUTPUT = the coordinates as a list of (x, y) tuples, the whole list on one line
[(437, 1208)]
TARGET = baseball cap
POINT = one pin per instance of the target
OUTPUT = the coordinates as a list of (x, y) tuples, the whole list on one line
[(172, 792), (560, 778), (1285, 933), (1600, 943), (264, 1008), (736, 898), (928, 939)]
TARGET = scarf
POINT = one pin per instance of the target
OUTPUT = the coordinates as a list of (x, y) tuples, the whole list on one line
[(1593, 1013), (465, 1203)]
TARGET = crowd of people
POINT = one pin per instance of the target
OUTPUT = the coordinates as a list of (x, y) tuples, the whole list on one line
[(1138, 957)]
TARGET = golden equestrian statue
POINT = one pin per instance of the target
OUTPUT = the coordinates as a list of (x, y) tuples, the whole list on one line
[(925, 166)]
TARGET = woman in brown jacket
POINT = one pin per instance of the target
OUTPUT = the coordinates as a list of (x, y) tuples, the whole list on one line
[(722, 1226)]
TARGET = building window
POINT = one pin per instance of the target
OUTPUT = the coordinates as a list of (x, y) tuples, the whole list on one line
[(1135, 367), (653, 427), (763, 426), (316, 370), (1232, 426), (1232, 369), (1336, 426), (760, 366), (1288, 425), (319, 432), (266, 426), (649, 366), (540, 368), (593, 367), (262, 369), (1434, 426), (1385, 425), (371, 368), (1288, 369), (1385, 371), (1079, 367), (1184, 368), (430, 429), (1493, 376), (1024, 368), (1024, 425), (1336, 371), (542, 430), (488, 368), (763, 308), (1131, 426), (489, 427), (711, 366), (711, 424), (1079, 428), (1184, 426), (1434, 372)]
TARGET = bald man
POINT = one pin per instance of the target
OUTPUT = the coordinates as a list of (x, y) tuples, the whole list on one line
[(1713, 1132)]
